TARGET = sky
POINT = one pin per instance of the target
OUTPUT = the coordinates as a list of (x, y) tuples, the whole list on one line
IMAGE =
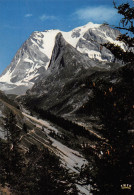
[(19, 18)]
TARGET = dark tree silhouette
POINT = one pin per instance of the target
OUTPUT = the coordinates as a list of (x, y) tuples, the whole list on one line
[(13, 158), (126, 24)]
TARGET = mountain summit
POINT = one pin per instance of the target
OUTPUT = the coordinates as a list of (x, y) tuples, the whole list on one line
[(34, 57)]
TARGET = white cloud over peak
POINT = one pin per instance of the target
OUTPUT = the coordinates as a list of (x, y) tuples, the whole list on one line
[(98, 14), (28, 15), (47, 17)]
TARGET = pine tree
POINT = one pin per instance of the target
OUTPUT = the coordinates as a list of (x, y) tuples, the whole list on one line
[(114, 108), (127, 25), (45, 175), (13, 156), (127, 22)]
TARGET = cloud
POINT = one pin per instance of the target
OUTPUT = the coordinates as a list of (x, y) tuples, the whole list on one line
[(28, 15), (97, 14), (47, 17)]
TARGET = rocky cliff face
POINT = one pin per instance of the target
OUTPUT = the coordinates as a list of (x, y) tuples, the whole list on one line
[(63, 91), (64, 55), (34, 57), (66, 64)]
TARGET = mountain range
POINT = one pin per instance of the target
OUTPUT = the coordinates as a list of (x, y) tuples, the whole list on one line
[(36, 56)]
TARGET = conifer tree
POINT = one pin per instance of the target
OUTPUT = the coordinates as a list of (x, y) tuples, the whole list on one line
[(13, 156), (127, 25)]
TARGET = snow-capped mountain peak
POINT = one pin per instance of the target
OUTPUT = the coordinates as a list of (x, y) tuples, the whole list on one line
[(33, 58)]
